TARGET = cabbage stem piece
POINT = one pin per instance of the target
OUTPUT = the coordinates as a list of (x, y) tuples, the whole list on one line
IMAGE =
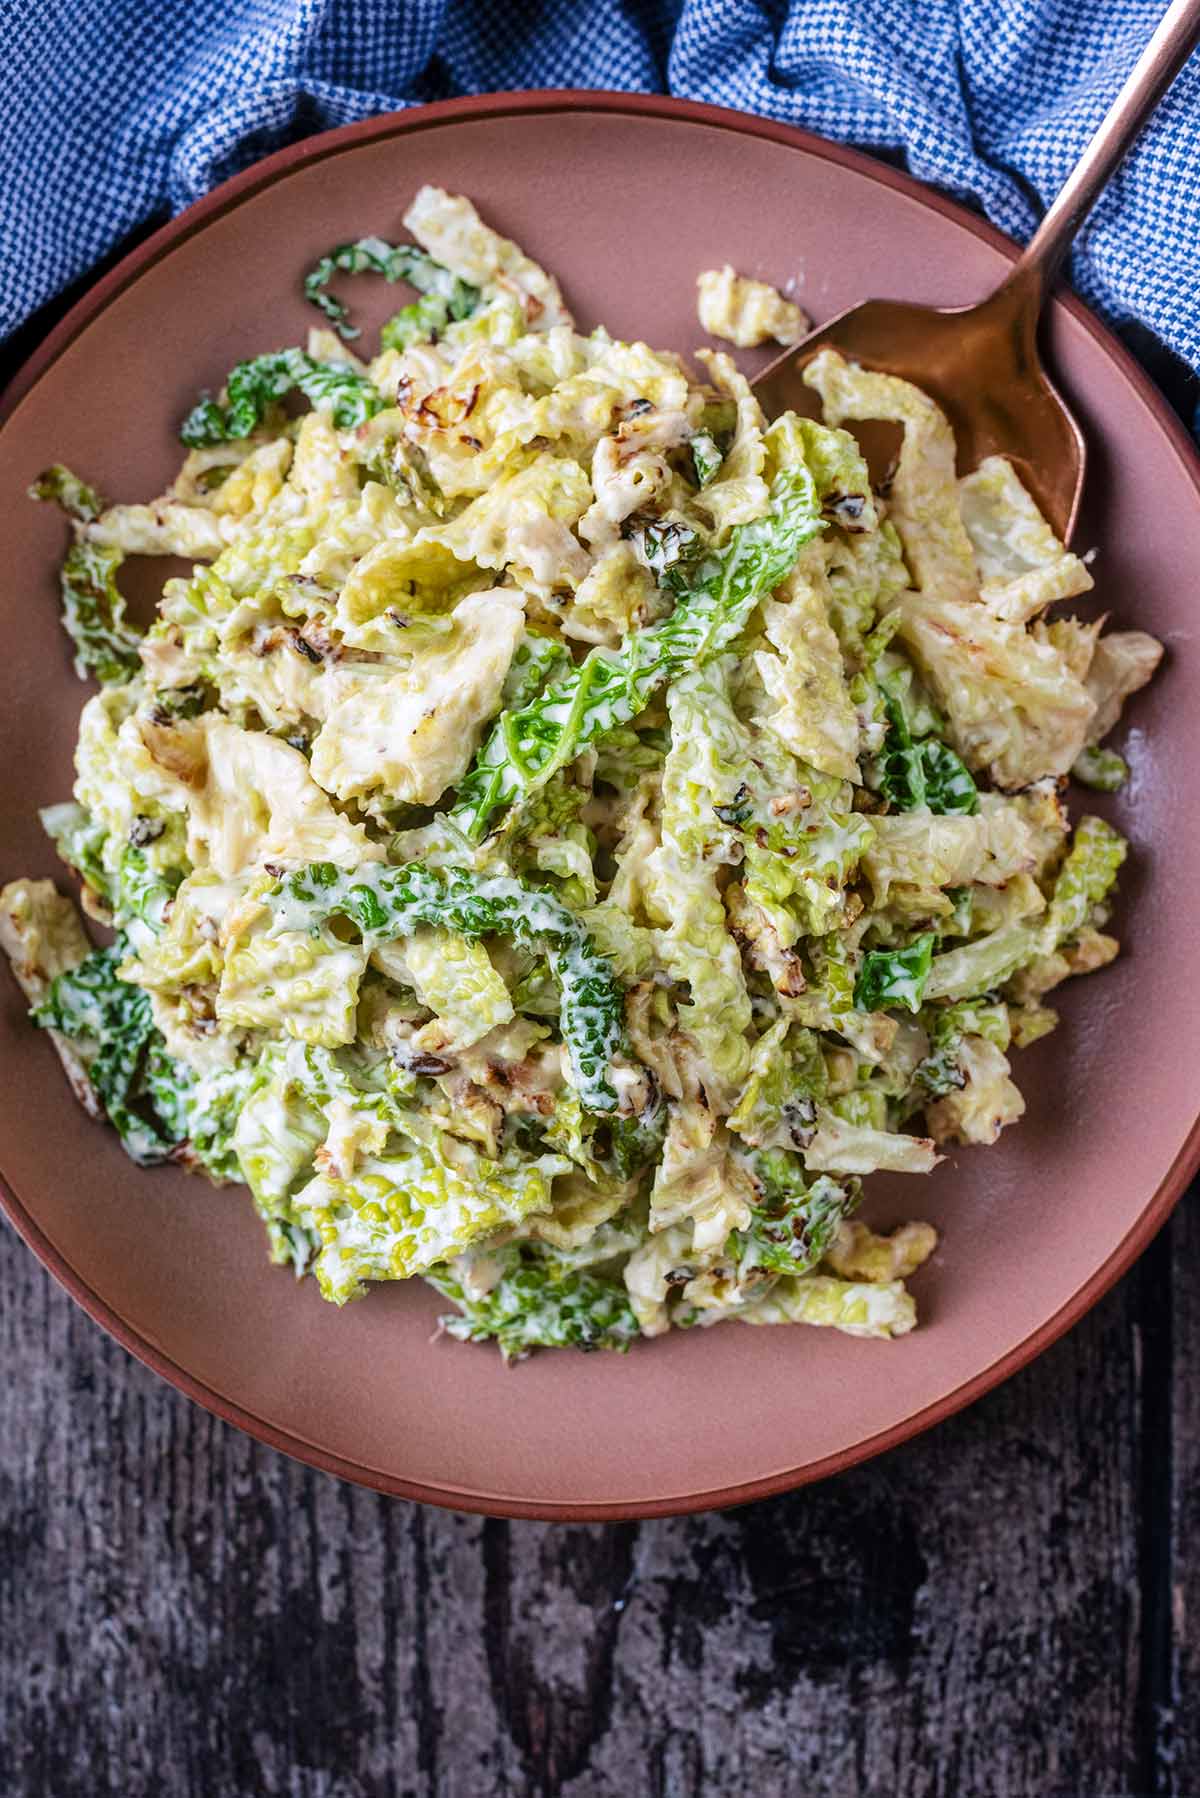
[(1086, 877), (1101, 769), (444, 296), (387, 903), (1083, 882), (715, 595), (251, 387), (93, 614), (93, 606), (64, 489), (858, 1308)]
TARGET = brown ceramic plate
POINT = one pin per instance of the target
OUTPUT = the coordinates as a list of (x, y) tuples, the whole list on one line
[(626, 199)]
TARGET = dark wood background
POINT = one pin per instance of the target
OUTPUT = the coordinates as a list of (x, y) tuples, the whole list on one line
[(1001, 1607), (1004, 1607)]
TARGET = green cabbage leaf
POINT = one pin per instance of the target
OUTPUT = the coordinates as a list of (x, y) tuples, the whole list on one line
[(251, 388), (443, 295), (714, 593), (387, 903), (539, 1301)]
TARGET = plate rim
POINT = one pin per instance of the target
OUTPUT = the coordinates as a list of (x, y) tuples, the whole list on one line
[(526, 102)]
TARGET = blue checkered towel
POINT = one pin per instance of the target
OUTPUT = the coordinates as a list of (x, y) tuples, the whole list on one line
[(114, 110)]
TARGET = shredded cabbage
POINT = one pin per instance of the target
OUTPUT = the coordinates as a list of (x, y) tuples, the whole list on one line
[(568, 831)]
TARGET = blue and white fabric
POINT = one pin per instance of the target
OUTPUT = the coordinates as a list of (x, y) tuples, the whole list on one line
[(113, 112)]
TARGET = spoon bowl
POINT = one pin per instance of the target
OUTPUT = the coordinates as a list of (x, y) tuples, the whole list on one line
[(981, 364)]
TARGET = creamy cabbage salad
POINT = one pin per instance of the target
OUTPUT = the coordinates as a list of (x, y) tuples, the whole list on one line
[(566, 831)]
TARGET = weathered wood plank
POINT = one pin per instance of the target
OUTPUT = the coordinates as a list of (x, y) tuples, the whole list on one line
[(959, 1618), (1172, 1481), (182, 1612)]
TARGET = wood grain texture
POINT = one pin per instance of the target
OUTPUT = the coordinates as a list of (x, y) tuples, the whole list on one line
[(999, 1608)]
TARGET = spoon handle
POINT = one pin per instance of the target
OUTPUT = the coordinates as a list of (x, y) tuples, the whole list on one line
[(1175, 38)]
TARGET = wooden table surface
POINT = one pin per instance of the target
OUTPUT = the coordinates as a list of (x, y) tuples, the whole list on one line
[(1002, 1609)]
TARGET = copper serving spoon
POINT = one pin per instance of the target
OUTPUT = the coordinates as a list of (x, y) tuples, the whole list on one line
[(981, 362)]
